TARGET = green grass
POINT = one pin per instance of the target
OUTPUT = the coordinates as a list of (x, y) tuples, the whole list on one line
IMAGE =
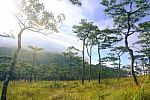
[(109, 89)]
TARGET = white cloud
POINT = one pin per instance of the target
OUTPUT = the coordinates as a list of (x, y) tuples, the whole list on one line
[(105, 23), (88, 6), (7, 20), (59, 41), (72, 13)]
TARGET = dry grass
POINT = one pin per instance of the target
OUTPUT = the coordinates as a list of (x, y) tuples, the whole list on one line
[(109, 89)]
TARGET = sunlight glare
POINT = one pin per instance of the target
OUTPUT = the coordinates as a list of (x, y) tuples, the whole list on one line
[(7, 10)]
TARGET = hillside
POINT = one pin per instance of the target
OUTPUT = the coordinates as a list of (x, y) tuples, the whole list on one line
[(52, 66)]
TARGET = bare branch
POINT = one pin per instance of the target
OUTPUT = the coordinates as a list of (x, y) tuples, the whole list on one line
[(20, 22), (38, 31), (7, 35)]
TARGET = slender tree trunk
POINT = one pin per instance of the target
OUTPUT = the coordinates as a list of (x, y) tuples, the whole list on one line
[(149, 61), (14, 59), (12, 67), (149, 66), (100, 66), (70, 68), (33, 63), (132, 60), (132, 68), (90, 70), (26, 75), (119, 63), (57, 69), (130, 50), (30, 77), (83, 67), (35, 78), (143, 68), (4, 89), (89, 53)]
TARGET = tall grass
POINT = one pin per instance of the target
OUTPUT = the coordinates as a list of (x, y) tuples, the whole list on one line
[(108, 89)]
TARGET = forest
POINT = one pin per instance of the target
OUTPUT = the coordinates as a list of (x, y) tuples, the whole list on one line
[(110, 63)]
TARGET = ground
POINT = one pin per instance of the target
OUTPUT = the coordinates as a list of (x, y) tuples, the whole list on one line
[(108, 89)]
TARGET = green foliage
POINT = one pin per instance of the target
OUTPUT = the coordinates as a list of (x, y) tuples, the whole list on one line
[(145, 27), (76, 2), (126, 14), (5, 59), (35, 49), (126, 10), (38, 19), (120, 49), (144, 41), (106, 38), (84, 29), (50, 66), (116, 53), (4, 66), (110, 58)]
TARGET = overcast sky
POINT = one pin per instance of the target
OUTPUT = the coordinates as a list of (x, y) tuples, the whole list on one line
[(90, 9)]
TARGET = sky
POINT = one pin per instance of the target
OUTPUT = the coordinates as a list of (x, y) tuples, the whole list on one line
[(90, 9)]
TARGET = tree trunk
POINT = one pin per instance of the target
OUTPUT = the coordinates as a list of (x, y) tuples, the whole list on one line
[(130, 50), (143, 67), (90, 70), (26, 75), (100, 66), (33, 63), (132, 61), (149, 61), (70, 68), (149, 66), (35, 78), (83, 68), (119, 63), (89, 53), (12, 67), (4, 89), (30, 78), (132, 68)]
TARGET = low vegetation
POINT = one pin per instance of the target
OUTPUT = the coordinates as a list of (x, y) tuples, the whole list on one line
[(109, 89)]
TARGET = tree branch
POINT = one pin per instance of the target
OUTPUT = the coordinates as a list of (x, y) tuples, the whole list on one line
[(7, 35)]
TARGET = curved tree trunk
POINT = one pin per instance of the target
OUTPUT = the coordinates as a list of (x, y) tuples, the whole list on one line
[(130, 50), (14, 59), (12, 67), (132, 60)]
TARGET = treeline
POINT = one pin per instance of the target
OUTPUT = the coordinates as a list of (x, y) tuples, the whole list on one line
[(49, 66)]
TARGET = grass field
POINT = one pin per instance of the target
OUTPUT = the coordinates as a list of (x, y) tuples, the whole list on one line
[(109, 89)]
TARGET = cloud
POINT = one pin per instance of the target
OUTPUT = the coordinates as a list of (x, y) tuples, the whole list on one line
[(108, 23), (88, 6), (90, 10), (72, 13), (60, 41)]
